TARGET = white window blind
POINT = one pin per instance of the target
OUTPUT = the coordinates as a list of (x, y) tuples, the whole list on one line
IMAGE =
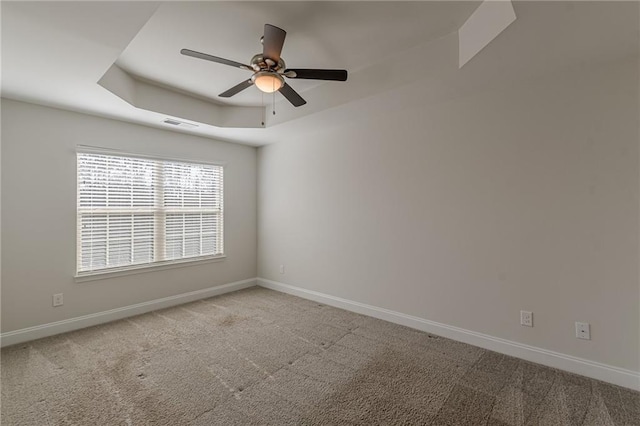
[(136, 211)]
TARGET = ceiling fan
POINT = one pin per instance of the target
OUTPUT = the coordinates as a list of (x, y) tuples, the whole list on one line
[(269, 68)]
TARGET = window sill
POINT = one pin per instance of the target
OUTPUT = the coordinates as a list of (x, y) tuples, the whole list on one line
[(140, 269)]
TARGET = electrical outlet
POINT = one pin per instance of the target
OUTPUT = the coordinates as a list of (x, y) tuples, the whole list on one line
[(282, 269), (583, 330), (58, 300), (526, 318)]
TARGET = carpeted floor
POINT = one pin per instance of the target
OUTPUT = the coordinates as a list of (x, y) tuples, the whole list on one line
[(262, 357)]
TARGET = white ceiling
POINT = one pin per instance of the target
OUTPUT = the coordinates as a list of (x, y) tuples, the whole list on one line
[(54, 53)]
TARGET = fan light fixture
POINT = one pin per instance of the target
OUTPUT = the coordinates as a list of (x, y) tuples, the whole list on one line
[(268, 81), (269, 69)]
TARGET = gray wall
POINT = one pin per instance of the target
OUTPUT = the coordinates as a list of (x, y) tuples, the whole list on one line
[(468, 210), (39, 214), (464, 211)]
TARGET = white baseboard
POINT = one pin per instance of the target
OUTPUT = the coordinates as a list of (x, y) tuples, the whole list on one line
[(44, 330), (595, 370)]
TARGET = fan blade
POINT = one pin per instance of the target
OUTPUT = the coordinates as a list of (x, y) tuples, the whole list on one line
[(272, 42), (311, 74), (211, 58), (292, 96), (236, 89)]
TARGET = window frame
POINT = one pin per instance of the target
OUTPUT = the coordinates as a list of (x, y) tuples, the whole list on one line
[(81, 276)]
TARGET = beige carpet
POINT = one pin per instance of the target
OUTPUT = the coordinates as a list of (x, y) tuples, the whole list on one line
[(262, 357)]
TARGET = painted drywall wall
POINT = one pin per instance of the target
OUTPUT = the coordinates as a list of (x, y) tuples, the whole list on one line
[(39, 214), (467, 210)]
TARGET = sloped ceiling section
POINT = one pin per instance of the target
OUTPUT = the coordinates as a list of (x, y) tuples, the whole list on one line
[(153, 97), (53, 53)]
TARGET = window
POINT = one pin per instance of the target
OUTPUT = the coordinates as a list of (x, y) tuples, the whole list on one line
[(135, 212)]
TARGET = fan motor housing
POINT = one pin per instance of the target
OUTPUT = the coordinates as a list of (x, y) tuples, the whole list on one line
[(259, 63)]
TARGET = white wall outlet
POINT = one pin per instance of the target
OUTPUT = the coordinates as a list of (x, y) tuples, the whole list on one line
[(583, 330), (58, 300), (282, 269), (526, 318)]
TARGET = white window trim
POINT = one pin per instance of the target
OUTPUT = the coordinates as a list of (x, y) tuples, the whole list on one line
[(146, 267), (155, 266)]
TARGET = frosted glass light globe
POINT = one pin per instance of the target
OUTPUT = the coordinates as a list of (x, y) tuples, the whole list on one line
[(267, 81)]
